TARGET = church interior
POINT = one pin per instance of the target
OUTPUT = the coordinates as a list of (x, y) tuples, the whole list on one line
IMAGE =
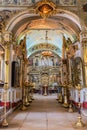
[(43, 64)]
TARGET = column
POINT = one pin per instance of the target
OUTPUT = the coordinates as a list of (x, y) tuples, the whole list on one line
[(7, 41), (7, 69), (21, 73), (64, 61), (83, 39), (70, 70), (7, 36)]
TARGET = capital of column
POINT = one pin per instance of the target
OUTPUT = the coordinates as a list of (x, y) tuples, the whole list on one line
[(6, 38), (83, 37)]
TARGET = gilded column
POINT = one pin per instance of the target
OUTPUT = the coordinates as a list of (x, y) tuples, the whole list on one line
[(7, 68), (64, 60), (21, 73), (23, 55), (63, 48), (83, 38), (7, 36), (7, 41)]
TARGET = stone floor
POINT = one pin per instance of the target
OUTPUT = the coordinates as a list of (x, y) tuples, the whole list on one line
[(45, 113)]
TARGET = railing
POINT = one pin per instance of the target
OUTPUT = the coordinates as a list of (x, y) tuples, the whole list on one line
[(31, 2)]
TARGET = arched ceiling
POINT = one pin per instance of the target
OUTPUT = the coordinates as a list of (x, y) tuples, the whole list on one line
[(25, 21), (37, 40), (34, 28)]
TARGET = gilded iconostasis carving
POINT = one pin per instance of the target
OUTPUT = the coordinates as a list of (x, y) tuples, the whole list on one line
[(44, 60), (44, 69), (77, 71)]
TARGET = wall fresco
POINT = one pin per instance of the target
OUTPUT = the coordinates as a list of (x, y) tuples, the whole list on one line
[(31, 2)]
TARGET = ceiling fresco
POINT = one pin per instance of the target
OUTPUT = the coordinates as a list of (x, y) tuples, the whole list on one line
[(52, 40), (44, 46)]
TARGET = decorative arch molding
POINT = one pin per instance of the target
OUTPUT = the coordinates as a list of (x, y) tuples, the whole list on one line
[(27, 16), (36, 51), (42, 47)]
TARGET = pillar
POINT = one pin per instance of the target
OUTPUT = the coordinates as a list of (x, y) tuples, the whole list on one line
[(7, 36), (21, 73), (7, 69), (83, 40)]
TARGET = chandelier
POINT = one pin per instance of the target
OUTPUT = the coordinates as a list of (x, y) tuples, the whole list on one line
[(45, 8), (47, 53)]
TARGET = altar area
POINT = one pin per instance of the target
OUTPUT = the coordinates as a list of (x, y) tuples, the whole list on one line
[(45, 72)]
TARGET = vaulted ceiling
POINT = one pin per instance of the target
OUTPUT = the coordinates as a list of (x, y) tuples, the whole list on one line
[(35, 31), (28, 23)]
